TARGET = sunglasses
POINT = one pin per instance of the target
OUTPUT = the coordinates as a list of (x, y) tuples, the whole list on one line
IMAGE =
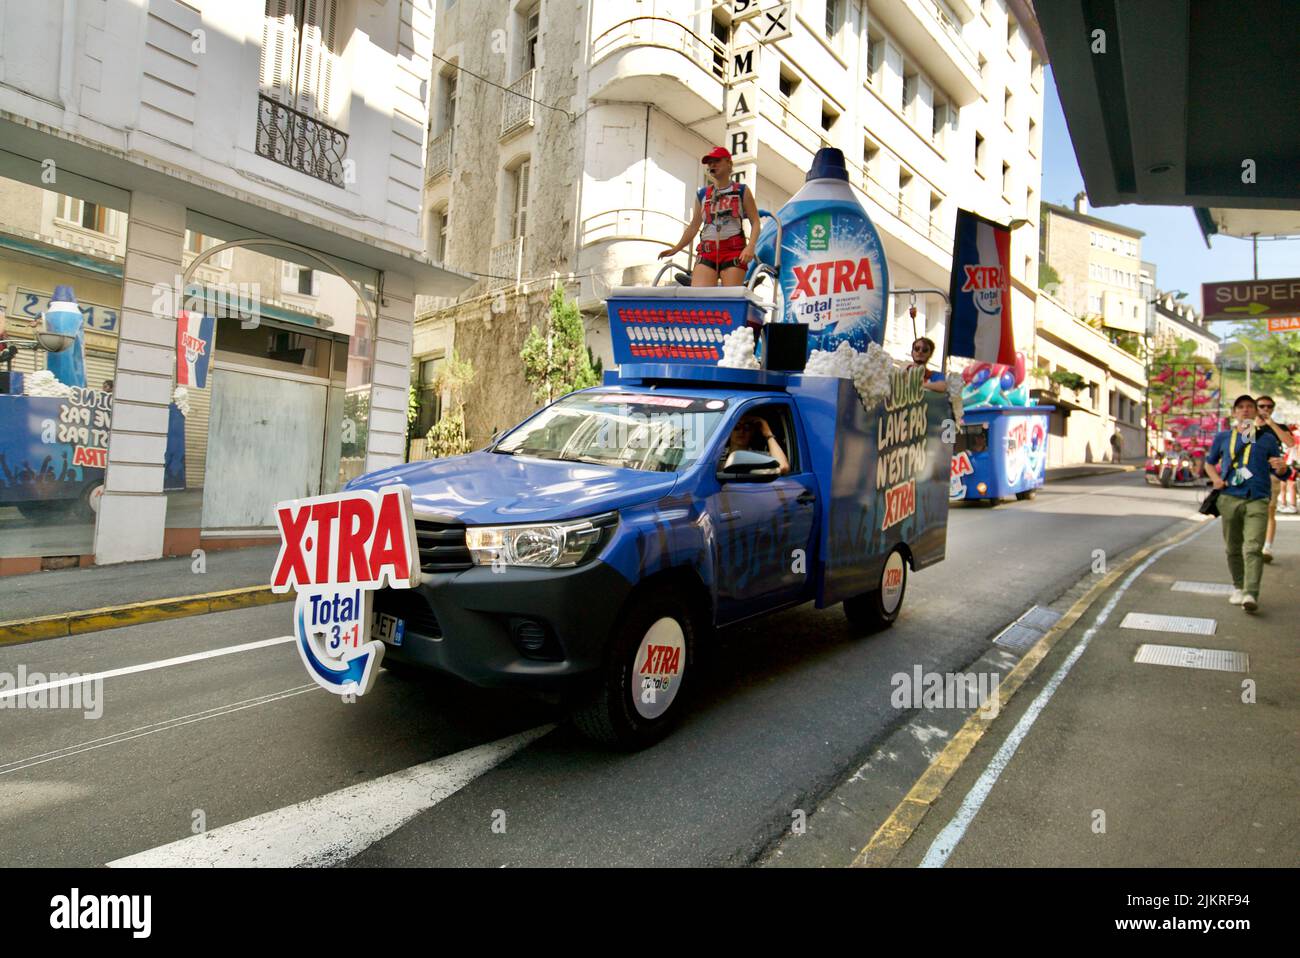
[(1265, 405)]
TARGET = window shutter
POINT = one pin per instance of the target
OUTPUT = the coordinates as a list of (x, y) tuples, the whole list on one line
[(279, 50), (316, 65)]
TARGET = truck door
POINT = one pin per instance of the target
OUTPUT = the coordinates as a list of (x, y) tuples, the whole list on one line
[(764, 530)]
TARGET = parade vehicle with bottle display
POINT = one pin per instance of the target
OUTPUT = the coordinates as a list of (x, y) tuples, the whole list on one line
[(590, 550)]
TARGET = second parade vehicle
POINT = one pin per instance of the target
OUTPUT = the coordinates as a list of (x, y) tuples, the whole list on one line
[(591, 549)]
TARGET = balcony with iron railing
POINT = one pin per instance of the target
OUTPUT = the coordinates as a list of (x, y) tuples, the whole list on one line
[(506, 263), (439, 157), (300, 142), (660, 60), (518, 108)]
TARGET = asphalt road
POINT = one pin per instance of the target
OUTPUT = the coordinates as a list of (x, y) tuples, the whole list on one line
[(783, 711)]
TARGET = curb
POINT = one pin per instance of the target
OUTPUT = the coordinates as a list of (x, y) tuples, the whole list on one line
[(906, 817), (1079, 472), (135, 613)]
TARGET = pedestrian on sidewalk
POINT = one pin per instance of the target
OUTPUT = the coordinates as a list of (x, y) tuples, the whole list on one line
[(1116, 446), (1253, 455), (1266, 406)]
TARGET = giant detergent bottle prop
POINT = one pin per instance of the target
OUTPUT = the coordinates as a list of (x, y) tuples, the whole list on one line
[(64, 316), (834, 276)]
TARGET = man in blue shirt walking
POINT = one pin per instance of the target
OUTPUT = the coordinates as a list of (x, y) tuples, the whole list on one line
[(1249, 457)]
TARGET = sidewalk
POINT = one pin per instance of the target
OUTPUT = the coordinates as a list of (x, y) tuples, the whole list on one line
[(1134, 764), (37, 594)]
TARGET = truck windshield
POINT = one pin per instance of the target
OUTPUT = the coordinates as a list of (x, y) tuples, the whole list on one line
[(647, 431)]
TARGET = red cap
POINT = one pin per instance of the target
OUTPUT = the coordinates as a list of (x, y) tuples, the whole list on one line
[(717, 153)]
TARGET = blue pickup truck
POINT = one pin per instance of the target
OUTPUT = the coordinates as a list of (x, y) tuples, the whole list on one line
[(590, 550)]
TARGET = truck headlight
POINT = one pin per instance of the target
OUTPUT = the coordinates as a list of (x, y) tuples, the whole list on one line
[(551, 545)]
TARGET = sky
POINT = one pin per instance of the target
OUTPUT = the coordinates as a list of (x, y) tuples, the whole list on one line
[(1173, 240)]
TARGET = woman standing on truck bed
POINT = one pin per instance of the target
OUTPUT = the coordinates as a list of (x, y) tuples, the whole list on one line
[(721, 209)]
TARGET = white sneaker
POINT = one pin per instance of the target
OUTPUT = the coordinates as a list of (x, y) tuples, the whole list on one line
[(1249, 604), (1236, 597)]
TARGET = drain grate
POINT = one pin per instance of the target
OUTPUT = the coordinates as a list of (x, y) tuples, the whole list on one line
[(1185, 657), (1028, 629), (1202, 588), (1017, 637), (1186, 624), (1040, 618)]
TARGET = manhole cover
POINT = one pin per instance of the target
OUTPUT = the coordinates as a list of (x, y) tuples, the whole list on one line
[(1185, 657), (1186, 624)]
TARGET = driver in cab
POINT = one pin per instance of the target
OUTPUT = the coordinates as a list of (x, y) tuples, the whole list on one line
[(753, 434)]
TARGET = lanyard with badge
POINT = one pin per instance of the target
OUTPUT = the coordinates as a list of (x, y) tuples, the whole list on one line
[(1240, 471)]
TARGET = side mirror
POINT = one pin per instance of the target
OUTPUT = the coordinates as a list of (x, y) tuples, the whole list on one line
[(746, 466)]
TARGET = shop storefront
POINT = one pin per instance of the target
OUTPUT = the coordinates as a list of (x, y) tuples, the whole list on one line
[(269, 398)]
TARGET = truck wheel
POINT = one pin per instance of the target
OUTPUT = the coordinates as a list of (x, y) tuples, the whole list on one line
[(640, 690), (878, 609), (1027, 494)]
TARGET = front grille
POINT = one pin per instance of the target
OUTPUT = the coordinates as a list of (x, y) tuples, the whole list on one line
[(410, 606), (442, 546)]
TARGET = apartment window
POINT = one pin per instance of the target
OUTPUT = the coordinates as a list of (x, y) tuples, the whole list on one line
[(532, 28), (1013, 30), (870, 152), (1006, 180), (936, 211), (911, 81), (722, 41), (904, 186), (438, 234), (787, 82), (299, 54), (875, 55), (939, 120), (1094, 305), (299, 279), (519, 215), (1008, 102), (979, 153), (829, 116), (449, 92), (1033, 137), (428, 395), (1030, 205), (1035, 70), (89, 216), (834, 17), (984, 68)]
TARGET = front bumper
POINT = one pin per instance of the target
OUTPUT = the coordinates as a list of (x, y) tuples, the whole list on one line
[(468, 623)]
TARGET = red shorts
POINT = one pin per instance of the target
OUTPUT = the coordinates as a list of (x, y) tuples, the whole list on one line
[(723, 254)]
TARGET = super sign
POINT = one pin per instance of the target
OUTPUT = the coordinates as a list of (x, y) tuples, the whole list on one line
[(335, 551)]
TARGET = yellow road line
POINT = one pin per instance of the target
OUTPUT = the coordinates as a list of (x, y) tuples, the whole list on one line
[(906, 817), (117, 616)]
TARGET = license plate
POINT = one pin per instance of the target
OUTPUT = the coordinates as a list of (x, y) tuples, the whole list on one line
[(387, 628)]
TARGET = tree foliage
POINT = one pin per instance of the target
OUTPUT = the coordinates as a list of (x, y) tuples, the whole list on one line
[(448, 437), (1275, 360), (557, 360)]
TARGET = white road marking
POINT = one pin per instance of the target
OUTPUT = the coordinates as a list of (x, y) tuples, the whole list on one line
[(143, 730), (332, 828), (947, 840), (146, 666)]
